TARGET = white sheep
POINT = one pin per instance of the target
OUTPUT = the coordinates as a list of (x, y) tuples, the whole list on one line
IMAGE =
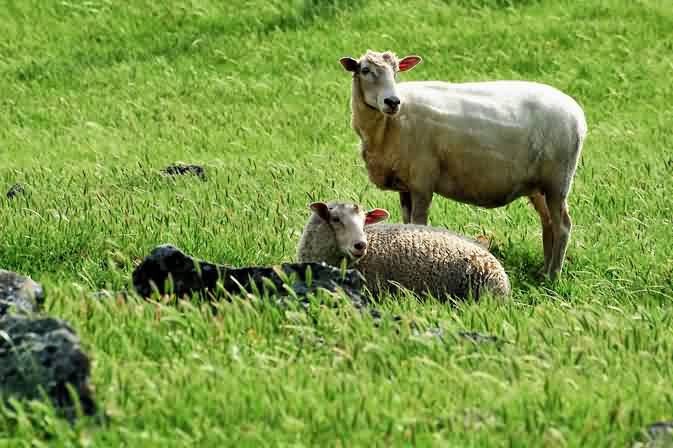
[(482, 143), (418, 258)]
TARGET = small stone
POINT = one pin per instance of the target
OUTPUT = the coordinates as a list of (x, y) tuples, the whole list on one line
[(104, 294), (478, 338), (430, 332), (44, 353), (434, 332), (661, 429), (15, 190), (375, 314), (472, 336), (657, 435), (19, 293), (180, 169)]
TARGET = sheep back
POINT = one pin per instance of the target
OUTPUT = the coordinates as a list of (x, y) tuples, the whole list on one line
[(426, 259)]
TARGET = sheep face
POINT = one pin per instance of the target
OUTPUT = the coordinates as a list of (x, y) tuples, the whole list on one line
[(347, 222), (377, 76)]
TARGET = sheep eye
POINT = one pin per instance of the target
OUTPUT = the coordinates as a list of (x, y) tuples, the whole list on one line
[(365, 70), (336, 220)]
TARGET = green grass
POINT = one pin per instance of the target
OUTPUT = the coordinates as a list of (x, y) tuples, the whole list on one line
[(98, 96)]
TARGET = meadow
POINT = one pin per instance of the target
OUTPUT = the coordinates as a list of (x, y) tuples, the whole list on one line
[(97, 96)]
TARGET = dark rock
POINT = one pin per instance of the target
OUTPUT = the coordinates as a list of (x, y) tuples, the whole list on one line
[(472, 336), (479, 338), (376, 314), (43, 355), (190, 276), (20, 293), (656, 435), (104, 294), (180, 169), (661, 430), (430, 332), (15, 190)]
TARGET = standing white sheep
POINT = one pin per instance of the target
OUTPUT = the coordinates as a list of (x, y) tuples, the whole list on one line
[(483, 143), (419, 258)]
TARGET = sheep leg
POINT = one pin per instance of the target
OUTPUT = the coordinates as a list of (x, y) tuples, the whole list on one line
[(561, 226), (540, 203), (420, 205), (405, 204)]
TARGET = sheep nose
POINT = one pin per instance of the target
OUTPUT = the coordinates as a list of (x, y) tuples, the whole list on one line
[(392, 101), (360, 246)]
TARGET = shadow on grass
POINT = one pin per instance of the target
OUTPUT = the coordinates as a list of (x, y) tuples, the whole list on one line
[(523, 266)]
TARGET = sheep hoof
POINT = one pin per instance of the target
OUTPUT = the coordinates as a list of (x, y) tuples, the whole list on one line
[(542, 274), (547, 276)]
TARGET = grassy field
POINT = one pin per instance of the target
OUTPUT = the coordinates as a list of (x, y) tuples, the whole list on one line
[(96, 97)]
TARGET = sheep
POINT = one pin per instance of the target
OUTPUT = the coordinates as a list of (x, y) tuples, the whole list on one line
[(481, 143), (419, 258)]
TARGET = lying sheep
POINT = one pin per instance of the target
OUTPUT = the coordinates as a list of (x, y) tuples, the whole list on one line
[(419, 258), (483, 143)]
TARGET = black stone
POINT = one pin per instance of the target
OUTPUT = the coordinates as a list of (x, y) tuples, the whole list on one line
[(472, 336), (479, 338), (15, 190), (189, 276), (657, 435), (661, 430), (43, 355), (430, 332), (19, 293), (180, 169), (104, 294)]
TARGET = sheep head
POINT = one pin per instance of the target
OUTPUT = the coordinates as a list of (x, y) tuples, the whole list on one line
[(347, 222), (376, 74)]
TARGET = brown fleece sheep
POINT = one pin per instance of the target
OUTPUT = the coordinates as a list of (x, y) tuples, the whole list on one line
[(419, 258)]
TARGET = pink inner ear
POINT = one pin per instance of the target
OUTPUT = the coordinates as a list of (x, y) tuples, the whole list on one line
[(376, 215), (408, 63)]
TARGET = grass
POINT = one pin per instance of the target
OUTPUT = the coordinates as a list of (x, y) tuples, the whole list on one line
[(98, 96)]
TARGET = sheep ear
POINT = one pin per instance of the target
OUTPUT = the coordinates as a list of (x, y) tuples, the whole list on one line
[(376, 215), (350, 64), (409, 62), (320, 209)]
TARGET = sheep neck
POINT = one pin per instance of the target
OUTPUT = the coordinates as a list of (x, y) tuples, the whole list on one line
[(369, 123), (379, 142)]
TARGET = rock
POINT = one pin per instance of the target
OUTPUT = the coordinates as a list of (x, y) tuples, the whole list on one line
[(39, 352), (180, 169), (479, 338), (661, 430), (376, 314), (20, 293), (472, 336), (190, 276), (104, 294), (15, 190), (429, 333), (657, 435), (44, 353)]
